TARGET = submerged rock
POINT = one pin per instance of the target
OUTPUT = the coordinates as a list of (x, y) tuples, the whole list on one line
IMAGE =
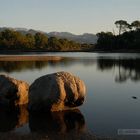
[(13, 92), (56, 92)]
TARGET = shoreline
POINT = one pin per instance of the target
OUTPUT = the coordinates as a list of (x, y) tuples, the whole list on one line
[(30, 58), (17, 52)]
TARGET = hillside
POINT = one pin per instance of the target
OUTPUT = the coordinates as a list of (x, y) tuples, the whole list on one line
[(84, 38)]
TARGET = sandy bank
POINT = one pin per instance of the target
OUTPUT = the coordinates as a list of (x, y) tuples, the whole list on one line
[(29, 58)]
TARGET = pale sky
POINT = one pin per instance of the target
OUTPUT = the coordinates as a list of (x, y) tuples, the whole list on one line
[(75, 16)]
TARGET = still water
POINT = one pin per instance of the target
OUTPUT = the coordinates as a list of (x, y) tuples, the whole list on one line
[(112, 81)]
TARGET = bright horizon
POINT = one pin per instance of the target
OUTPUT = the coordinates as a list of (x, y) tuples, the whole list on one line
[(75, 16)]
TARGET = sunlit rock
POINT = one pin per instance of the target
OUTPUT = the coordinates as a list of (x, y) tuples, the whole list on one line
[(56, 92), (13, 92)]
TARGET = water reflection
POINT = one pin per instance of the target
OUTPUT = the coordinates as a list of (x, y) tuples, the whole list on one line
[(106, 100), (57, 122), (126, 68), (13, 118), (8, 120), (23, 116), (50, 123), (19, 66)]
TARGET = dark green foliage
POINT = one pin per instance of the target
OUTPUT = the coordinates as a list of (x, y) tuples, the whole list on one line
[(122, 25), (41, 41), (30, 41), (128, 40), (136, 24), (105, 39), (13, 40), (10, 39)]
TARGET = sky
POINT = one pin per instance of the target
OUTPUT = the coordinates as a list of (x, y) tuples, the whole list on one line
[(75, 16)]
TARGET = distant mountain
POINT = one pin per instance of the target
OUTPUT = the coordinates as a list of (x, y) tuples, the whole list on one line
[(84, 38), (22, 30)]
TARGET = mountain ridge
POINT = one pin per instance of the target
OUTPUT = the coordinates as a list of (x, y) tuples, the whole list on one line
[(83, 38), (87, 38)]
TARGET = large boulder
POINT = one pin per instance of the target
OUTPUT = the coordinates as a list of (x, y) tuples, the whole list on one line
[(12, 91), (56, 92)]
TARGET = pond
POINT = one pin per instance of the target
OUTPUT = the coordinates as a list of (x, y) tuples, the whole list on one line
[(112, 101)]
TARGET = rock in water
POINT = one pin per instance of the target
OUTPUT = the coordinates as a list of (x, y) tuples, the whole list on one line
[(56, 92), (12, 91)]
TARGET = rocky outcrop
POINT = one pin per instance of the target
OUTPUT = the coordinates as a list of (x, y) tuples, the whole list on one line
[(56, 92), (12, 91)]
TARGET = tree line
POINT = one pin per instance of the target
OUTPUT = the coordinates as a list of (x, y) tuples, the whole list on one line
[(13, 40), (128, 37)]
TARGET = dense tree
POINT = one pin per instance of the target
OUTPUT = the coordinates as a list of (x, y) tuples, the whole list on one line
[(122, 25), (30, 41), (41, 40), (136, 24), (13, 40), (54, 44), (126, 40), (105, 39)]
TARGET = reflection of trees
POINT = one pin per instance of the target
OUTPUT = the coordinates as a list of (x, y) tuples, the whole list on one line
[(12, 66), (68, 61), (105, 64), (18, 66), (57, 122), (127, 68)]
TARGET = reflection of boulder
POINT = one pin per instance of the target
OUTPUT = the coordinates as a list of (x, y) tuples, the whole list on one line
[(12, 91), (8, 120), (57, 122), (23, 116), (15, 118), (55, 92)]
